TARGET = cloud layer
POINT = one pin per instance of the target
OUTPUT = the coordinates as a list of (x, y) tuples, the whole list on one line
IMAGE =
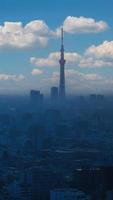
[(77, 81), (36, 72), (95, 56), (99, 56), (53, 58), (83, 25), (76, 75), (11, 77), (16, 34), (104, 50)]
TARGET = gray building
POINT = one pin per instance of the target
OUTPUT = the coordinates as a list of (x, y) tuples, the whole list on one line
[(54, 94)]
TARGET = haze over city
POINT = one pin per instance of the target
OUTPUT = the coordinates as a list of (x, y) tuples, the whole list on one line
[(56, 100)]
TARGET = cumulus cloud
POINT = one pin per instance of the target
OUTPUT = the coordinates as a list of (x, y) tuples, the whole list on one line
[(104, 50), (93, 77), (93, 62), (36, 72), (71, 73), (95, 56), (98, 56), (6, 77), (15, 34), (53, 58), (72, 59), (77, 81), (83, 25)]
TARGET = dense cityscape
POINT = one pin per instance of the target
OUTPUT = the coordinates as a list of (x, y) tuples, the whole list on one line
[(57, 147), (48, 148), (56, 100)]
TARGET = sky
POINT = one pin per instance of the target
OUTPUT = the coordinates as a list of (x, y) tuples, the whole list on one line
[(30, 44)]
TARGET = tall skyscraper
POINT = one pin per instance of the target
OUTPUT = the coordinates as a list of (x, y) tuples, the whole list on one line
[(54, 94), (62, 69)]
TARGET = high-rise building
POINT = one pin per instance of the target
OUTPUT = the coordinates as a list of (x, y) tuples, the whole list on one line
[(97, 97), (36, 97), (62, 69), (100, 97), (93, 97), (54, 94)]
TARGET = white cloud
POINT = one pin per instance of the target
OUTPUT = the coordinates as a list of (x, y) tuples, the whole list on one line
[(72, 59), (36, 72), (95, 56), (93, 77), (83, 25), (78, 81), (15, 34), (71, 73), (6, 77), (53, 59), (104, 50), (98, 56), (93, 62), (37, 26)]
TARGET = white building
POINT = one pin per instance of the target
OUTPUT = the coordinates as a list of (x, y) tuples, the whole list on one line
[(68, 194)]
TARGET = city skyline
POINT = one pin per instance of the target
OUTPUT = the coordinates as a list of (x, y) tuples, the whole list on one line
[(30, 46)]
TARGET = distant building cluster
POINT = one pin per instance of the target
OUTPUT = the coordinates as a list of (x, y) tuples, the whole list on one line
[(56, 93)]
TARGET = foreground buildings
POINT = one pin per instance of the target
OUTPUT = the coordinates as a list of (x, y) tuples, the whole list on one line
[(68, 194)]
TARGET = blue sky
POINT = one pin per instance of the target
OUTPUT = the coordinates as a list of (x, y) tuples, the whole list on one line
[(30, 43)]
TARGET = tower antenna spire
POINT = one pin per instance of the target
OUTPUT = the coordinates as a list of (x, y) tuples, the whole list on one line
[(62, 36)]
